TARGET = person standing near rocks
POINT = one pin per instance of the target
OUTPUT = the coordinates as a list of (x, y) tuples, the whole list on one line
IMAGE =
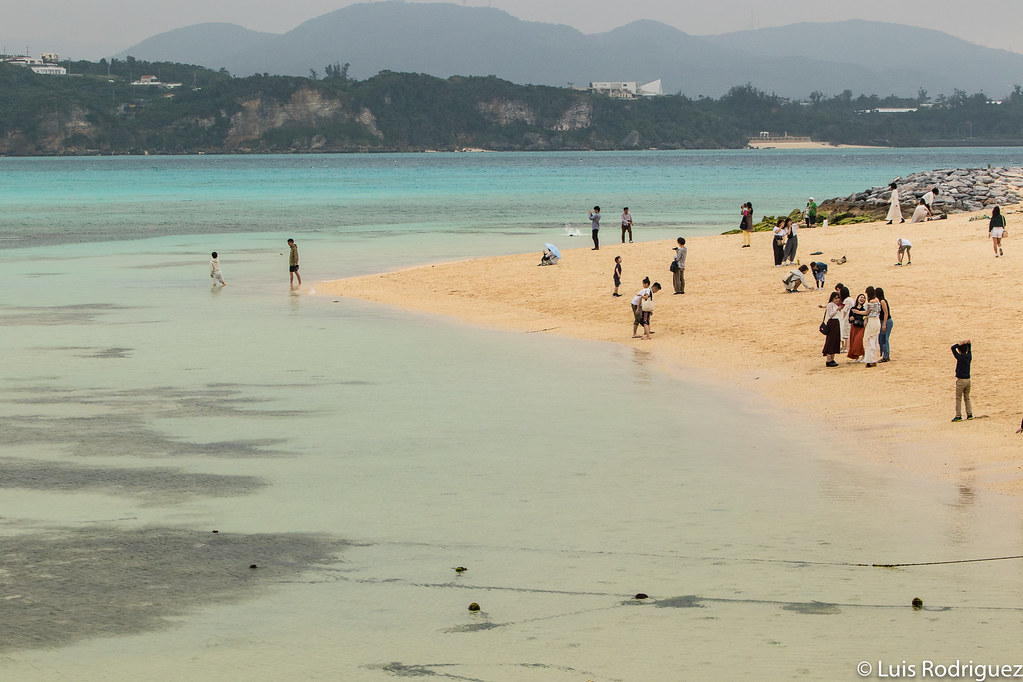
[(996, 229), (921, 213), (595, 227), (746, 223), (928, 200), (680, 266), (811, 213), (963, 353), (895, 208)]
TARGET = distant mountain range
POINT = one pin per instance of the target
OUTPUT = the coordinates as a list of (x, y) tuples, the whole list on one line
[(446, 39)]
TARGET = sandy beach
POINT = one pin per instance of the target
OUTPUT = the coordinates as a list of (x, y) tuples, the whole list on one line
[(736, 327), (755, 143)]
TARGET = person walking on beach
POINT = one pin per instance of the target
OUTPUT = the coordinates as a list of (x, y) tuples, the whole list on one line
[(857, 320), (996, 229), (894, 208), (963, 353), (643, 307), (884, 337), (833, 337), (746, 223), (904, 248), (792, 243), (617, 276), (293, 263), (872, 329), (595, 227), (680, 266), (811, 213), (626, 224), (215, 270), (778, 242)]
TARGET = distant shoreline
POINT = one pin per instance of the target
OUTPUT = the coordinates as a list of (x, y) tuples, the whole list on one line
[(801, 144)]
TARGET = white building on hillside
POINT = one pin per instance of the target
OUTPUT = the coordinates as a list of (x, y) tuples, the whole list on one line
[(627, 89), (42, 66)]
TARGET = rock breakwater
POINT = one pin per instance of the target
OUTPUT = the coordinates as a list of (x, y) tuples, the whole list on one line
[(960, 190)]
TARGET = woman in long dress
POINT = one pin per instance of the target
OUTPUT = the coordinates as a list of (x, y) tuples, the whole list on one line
[(857, 320), (872, 329), (833, 339), (895, 209)]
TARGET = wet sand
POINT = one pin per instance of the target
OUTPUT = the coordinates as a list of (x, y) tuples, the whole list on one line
[(736, 327)]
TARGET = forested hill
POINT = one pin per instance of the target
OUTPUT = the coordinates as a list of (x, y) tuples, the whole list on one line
[(98, 110)]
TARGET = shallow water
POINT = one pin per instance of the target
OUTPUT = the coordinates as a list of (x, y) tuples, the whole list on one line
[(357, 454)]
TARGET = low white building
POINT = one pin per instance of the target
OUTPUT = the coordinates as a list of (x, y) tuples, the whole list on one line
[(38, 65), (155, 82), (627, 89)]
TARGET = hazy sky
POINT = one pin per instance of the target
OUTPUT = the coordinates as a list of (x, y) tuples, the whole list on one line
[(90, 28)]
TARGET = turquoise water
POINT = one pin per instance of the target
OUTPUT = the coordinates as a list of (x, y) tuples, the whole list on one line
[(359, 453), (60, 200)]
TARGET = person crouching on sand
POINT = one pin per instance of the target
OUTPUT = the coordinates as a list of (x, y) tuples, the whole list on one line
[(795, 278), (642, 309)]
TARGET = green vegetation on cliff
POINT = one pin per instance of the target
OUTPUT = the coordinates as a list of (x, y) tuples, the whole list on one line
[(98, 110)]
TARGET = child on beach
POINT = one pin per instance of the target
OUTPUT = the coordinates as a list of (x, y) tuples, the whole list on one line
[(215, 270), (820, 271), (904, 246), (617, 276)]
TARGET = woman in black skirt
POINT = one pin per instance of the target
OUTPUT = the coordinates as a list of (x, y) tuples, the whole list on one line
[(833, 339)]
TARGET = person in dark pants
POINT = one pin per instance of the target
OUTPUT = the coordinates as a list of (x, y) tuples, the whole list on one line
[(963, 353), (778, 242), (680, 266), (595, 227), (626, 224)]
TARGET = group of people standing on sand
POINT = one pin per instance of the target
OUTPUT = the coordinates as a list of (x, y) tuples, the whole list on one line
[(861, 327)]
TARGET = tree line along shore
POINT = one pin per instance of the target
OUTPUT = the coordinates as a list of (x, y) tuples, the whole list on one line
[(104, 108)]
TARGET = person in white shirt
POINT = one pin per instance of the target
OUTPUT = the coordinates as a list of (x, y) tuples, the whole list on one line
[(215, 270), (920, 213), (639, 315), (928, 199), (626, 224), (904, 246)]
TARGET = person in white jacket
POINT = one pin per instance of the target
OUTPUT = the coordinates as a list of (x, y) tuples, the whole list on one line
[(215, 270)]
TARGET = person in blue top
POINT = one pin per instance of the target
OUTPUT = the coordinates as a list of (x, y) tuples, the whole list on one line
[(963, 353), (595, 226)]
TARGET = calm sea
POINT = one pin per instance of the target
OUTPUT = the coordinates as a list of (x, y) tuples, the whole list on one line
[(356, 455)]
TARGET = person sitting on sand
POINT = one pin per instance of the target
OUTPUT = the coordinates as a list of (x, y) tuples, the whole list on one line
[(904, 246), (795, 278), (548, 258), (921, 212)]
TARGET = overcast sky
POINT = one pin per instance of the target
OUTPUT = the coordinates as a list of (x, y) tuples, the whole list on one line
[(91, 28)]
